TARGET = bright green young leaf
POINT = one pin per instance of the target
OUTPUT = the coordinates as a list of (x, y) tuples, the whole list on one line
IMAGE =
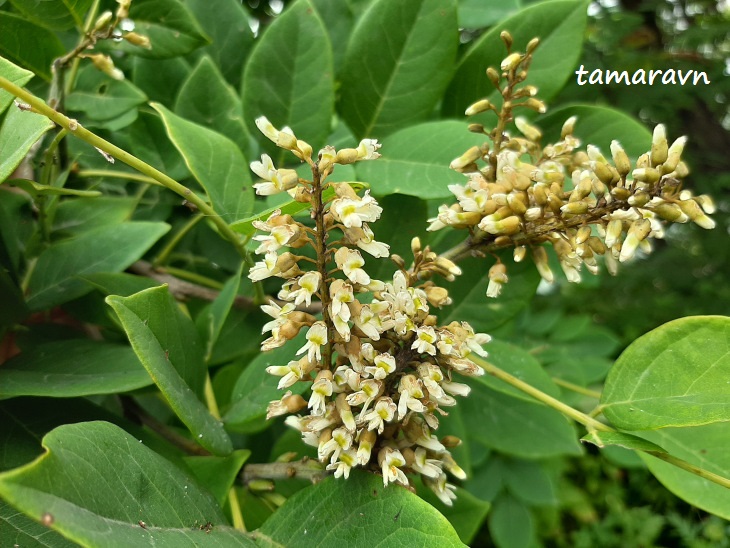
[(397, 65), (511, 523), (558, 23), (255, 388), (101, 97), (477, 14), (27, 45), (705, 446), (15, 74), (169, 25), (17, 529), (215, 316), (357, 512), (78, 216), (218, 473), (215, 161), (469, 293), (74, 367), (19, 132), (415, 160), (167, 344), (229, 32), (54, 14), (130, 497), (207, 99), (37, 189), (148, 141), (289, 79), (675, 375), (109, 248), (511, 425), (621, 439), (598, 126)]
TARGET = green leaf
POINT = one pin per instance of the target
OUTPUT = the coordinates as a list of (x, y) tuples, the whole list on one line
[(338, 19), (255, 388), (101, 501), (289, 79), (169, 25), (29, 46), (167, 344), (215, 316), (415, 160), (230, 34), (559, 24), (477, 14), (511, 523), (14, 308), (150, 143), (54, 14), (705, 446), (106, 249), (120, 283), (530, 482), (469, 293), (69, 368), (675, 375), (17, 529), (218, 473), (36, 189), (515, 426), (230, 345), (14, 74), (598, 126), (160, 79), (78, 216), (101, 97), (206, 99), (397, 65), (357, 512), (621, 439), (19, 132), (215, 161)]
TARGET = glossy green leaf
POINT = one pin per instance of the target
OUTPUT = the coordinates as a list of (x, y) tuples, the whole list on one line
[(675, 375), (28, 45), (415, 160), (167, 344), (230, 345), (150, 143), (37, 189), (17, 529), (106, 249), (621, 439), (339, 20), (357, 512), (559, 24), (705, 446), (515, 426), (160, 79), (229, 32), (169, 25), (215, 161), (289, 78), (469, 293), (131, 497), (207, 99), (477, 14), (255, 388), (19, 132), (215, 316), (101, 97), (598, 125), (15, 74), (80, 215), (218, 473), (119, 283), (511, 523), (54, 14), (75, 367), (398, 63)]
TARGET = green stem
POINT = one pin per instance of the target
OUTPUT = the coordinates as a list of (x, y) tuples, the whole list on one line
[(124, 156), (47, 174), (110, 174), (164, 254), (577, 389), (191, 277), (83, 43), (589, 422), (236, 514)]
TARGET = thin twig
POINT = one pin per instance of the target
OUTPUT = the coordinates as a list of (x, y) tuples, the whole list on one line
[(307, 469)]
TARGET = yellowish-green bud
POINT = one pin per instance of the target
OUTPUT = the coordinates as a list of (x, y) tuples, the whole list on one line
[(659, 147)]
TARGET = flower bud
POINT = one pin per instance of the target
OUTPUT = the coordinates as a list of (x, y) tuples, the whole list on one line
[(497, 278), (105, 64), (103, 20), (535, 104), (532, 45), (528, 130), (511, 62), (506, 38), (437, 296), (138, 40), (480, 106), (519, 253), (539, 255), (346, 156), (466, 159), (620, 159), (659, 149), (493, 76), (693, 210)]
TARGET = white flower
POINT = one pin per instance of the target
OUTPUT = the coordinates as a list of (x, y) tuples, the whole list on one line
[(292, 372), (444, 491), (308, 286), (353, 212), (321, 388), (284, 138), (369, 390), (410, 391), (316, 337), (341, 440), (390, 459), (264, 269), (383, 411), (384, 366), (350, 262), (278, 237), (274, 180), (366, 150), (348, 459), (428, 467), (364, 238), (425, 337)]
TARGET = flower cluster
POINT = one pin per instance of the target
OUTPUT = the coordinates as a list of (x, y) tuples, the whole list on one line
[(379, 366), (579, 202)]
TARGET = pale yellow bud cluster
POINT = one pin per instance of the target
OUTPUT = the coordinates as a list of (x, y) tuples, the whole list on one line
[(521, 193), (379, 366)]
